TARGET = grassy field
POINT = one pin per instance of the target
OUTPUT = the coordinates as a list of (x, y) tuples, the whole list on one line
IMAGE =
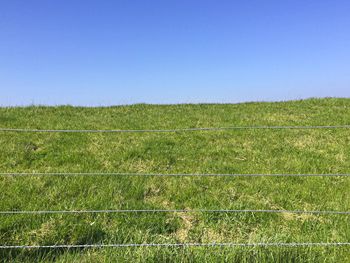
[(230, 151)]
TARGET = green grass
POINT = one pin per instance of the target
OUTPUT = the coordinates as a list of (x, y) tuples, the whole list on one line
[(230, 151)]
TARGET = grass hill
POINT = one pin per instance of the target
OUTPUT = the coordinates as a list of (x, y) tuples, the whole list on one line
[(230, 151)]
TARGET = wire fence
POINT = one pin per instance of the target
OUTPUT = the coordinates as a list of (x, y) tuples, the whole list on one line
[(275, 244)]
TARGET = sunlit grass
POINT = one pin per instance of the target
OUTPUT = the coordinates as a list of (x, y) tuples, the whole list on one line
[(234, 151)]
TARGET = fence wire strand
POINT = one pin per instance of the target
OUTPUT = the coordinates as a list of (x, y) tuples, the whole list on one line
[(276, 244), (176, 130), (319, 212), (165, 175)]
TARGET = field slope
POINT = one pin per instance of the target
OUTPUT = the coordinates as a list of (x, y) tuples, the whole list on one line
[(231, 151)]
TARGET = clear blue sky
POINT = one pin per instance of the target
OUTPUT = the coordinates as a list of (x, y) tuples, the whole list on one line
[(85, 52)]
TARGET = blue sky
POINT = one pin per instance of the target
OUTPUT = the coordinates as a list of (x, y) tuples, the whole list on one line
[(174, 51)]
